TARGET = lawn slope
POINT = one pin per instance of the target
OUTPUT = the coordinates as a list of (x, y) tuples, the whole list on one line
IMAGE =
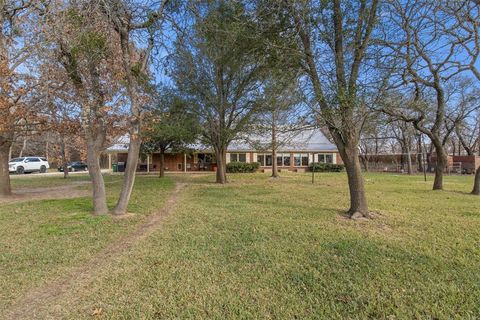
[(41, 240), (263, 248)]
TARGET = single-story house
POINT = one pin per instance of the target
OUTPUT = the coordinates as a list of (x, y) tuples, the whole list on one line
[(465, 164), (302, 148)]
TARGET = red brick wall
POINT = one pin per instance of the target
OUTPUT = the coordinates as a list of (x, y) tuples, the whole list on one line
[(339, 158), (470, 163), (172, 160), (122, 157)]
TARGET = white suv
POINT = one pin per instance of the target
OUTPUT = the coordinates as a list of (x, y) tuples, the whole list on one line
[(28, 164)]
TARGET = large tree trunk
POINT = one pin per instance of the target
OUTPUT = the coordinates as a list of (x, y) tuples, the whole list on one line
[(221, 156), (274, 164), (476, 183), (429, 158), (441, 163), (6, 137), (132, 86), (5, 188), (92, 121), (162, 163), (98, 185), (129, 175), (358, 199), (347, 133), (463, 143)]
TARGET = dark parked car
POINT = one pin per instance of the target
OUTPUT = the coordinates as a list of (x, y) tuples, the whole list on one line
[(75, 166)]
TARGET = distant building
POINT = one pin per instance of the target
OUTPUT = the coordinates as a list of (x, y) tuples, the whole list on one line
[(296, 154)]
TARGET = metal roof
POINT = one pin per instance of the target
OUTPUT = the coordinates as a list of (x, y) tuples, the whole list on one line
[(310, 140), (120, 144)]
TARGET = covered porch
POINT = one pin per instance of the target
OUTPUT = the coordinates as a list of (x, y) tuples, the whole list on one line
[(173, 162)]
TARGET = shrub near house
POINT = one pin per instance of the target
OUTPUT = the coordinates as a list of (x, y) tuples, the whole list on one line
[(326, 167), (242, 167)]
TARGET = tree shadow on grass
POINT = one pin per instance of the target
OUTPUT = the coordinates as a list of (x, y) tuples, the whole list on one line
[(464, 193)]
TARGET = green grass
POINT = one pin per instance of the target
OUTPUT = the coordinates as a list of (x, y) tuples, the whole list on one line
[(40, 240), (34, 180), (263, 248)]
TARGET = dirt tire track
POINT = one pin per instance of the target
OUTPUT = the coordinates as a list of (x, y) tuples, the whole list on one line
[(32, 305)]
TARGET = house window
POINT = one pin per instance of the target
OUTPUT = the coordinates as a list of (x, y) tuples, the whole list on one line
[(238, 157), (325, 158), (283, 160), (268, 160), (297, 160), (300, 159), (261, 159), (265, 160), (305, 160)]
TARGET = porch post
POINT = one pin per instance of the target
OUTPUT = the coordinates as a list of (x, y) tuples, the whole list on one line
[(110, 161), (184, 162), (148, 163)]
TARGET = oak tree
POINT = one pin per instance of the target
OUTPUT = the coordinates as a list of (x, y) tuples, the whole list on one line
[(170, 126), (219, 65), (334, 38)]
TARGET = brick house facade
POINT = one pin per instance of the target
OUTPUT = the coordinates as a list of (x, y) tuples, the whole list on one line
[(301, 150)]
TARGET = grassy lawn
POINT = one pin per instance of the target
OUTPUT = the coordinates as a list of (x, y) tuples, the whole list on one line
[(39, 240), (35, 180), (259, 248)]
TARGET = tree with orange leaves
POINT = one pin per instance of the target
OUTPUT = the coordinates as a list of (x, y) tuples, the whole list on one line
[(84, 57), (16, 46)]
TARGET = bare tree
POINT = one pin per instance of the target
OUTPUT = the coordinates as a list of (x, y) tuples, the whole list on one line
[(464, 117), (465, 31), (426, 60), (338, 31), (16, 47), (404, 135), (375, 137), (468, 135), (126, 20)]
